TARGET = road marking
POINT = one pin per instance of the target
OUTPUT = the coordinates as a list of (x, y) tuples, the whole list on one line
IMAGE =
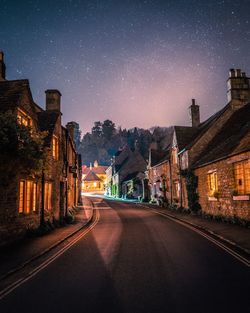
[(210, 238), (19, 282)]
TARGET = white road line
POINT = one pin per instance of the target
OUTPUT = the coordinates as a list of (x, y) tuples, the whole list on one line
[(219, 244)]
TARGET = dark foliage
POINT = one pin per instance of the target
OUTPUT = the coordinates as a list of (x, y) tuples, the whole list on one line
[(105, 139)]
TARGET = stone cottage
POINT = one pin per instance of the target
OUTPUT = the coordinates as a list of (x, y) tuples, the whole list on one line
[(34, 197)]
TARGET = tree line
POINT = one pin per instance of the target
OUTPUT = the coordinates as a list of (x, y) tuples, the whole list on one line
[(106, 138)]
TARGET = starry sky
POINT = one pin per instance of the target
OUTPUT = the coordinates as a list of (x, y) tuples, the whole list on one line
[(138, 63)]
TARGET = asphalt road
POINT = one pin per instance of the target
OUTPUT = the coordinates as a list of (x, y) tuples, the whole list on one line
[(136, 261)]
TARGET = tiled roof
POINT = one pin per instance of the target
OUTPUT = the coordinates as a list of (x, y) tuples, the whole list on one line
[(130, 176), (234, 138), (91, 176), (97, 170), (158, 156), (11, 92), (204, 126), (184, 135)]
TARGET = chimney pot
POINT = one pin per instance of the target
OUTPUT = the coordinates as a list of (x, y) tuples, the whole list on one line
[(232, 73), (238, 72)]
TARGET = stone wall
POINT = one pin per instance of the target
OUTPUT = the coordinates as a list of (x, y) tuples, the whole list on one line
[(225, 204)]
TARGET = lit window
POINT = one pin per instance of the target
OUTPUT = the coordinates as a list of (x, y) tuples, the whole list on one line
[(242, 177), (23, 118), (55, 147), (212, 183), (27, 196), (21, 197), (48, 196), (34, 200)]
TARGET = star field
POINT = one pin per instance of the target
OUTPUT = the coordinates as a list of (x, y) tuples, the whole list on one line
[(138, 63)]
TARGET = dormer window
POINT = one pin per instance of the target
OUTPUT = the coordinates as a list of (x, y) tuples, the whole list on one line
[(23, 118), (55, 148)]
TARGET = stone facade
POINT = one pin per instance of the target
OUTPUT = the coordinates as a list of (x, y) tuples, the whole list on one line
[(226, 203), (46, 194)]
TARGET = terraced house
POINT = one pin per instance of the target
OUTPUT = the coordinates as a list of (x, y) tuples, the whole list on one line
[(209, 162), (45, 189)]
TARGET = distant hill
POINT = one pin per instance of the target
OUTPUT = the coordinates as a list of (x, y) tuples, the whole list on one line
[(105, 139)]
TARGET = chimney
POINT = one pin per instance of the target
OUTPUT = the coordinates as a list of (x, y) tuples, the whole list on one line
[(194, 110), (71, 129), (238, 88), (2, 66), (53, 100)]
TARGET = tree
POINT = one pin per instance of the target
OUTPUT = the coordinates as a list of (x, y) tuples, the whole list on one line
[(96, 130), (21, 149), (108, 129)]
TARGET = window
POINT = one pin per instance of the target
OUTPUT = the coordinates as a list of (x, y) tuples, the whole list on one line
[(174, 156), (34, 200), (27, 196), (176, 190), (242, 177), (55, 147), (212, 183), (21, 196), (48, 196), (23, 118)]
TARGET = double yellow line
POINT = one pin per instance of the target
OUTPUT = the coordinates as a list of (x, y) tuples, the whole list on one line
[(35, 271)]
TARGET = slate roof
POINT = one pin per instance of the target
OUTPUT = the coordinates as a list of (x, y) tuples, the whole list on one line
[(91, 176), (234, 138), (130, 176), (158, 156), (185, 134), (11, 92)]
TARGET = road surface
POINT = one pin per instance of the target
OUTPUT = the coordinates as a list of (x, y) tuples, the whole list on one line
[(132, 261)]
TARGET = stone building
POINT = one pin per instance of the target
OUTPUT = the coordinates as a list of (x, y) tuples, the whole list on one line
[(94, 178), (158, 175), (223, 169), (34, 198), (212, 154), (126, 169)]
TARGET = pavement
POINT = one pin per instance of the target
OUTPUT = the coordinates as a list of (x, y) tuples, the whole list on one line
[(233, 234), (19, 254)]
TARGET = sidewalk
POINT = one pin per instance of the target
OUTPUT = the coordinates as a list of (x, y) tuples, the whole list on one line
[(15, 256), (233, 234)]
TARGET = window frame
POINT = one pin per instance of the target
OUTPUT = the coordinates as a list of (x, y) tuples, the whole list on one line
[(243, 175)]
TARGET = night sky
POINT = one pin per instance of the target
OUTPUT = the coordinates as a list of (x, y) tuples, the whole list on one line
[(138, 63)]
